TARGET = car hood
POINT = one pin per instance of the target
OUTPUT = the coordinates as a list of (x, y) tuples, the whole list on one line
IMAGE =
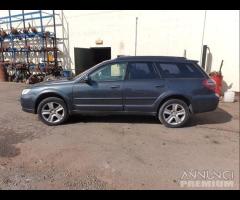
[(52, 82)]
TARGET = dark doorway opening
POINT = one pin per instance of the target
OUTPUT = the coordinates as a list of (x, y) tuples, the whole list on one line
[(88, 57)]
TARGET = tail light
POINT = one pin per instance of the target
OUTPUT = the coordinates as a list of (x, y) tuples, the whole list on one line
[(209, 84)]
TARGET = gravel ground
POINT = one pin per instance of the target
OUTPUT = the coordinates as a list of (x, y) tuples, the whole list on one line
[(114, 152)]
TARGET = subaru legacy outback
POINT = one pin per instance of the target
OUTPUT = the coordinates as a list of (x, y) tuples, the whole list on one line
[(170, 88)]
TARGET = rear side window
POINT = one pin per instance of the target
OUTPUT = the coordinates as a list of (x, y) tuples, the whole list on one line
[(141, 70), (179, 70)]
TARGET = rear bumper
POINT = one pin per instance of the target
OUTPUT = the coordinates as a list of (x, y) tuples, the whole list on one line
[(205, 103)]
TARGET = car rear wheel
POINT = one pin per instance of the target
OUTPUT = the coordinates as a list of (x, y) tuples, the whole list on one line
[(52, 111), (174, 113)]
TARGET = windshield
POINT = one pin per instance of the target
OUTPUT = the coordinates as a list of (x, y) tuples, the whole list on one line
[(86, 72), (81, 74)]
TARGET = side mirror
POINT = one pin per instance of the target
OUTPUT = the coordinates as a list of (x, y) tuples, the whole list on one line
[(85, 79)]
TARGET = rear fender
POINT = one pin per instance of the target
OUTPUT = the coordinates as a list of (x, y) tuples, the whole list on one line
[(173, 95)]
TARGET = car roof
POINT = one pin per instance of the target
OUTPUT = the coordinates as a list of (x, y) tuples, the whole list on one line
[(153, 58)]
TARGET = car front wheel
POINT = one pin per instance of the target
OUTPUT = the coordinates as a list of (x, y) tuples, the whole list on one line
[(52, 111), (174, 113)]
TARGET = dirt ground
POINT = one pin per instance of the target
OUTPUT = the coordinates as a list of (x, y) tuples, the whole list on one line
[(114, 152)]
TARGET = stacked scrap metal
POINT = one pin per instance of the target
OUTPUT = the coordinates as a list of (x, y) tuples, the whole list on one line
[(27, 54)]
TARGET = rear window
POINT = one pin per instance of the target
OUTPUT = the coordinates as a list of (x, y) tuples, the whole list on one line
[(141, 70), (179, 70)]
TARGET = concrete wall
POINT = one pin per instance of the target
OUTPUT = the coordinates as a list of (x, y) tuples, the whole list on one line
[(162, 33)]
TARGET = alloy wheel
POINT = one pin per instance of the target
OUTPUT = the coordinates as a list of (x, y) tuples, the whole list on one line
[(52, 112), (174, 114)]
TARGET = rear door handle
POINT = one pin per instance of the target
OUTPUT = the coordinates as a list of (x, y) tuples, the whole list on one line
[(115, 86)]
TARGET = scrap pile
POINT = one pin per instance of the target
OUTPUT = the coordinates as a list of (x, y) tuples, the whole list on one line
[(28, 54)]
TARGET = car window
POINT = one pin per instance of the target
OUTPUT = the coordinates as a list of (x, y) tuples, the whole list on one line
[(179, 70), (141, 70), (111, 72)]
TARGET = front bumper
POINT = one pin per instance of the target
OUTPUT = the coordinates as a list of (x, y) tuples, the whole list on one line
[(28, 110), (27, 103)]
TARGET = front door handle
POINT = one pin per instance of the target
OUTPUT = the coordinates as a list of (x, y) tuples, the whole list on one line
[(115, 86), (159, 86)]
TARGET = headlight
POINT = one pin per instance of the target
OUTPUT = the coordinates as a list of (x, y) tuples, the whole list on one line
[(25, 91)]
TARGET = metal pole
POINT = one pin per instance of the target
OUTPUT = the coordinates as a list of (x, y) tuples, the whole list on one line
[(42, 37), (11, 37), (204, 23), (68, 46), (136, 36), (55, 40), (185, 53), (25, 37), (63, 44)]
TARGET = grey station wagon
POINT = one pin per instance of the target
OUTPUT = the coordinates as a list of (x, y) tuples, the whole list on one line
[(170, 88)]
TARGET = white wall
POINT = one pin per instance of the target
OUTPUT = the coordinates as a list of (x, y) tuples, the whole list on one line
[(161, 33), (222, 35)]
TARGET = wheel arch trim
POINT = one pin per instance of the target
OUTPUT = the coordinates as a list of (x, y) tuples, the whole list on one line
[(172, 95), (51, 93)]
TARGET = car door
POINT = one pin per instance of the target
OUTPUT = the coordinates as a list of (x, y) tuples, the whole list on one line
[(142, 87), (104, 90)]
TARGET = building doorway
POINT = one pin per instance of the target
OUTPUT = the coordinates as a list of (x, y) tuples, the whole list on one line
[(88, 57)]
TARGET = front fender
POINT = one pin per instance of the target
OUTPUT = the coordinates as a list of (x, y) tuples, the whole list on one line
[(51, 92)]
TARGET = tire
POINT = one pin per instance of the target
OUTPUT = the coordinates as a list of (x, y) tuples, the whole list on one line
[(173, 116), (52, 111)]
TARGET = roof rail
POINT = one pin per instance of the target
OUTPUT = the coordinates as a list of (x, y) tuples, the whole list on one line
[(150, 57), (119, 56)]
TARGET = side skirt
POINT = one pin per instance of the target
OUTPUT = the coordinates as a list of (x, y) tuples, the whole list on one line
[(113, 113)]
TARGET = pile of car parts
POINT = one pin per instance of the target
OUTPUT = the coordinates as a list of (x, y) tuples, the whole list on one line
[(3, 73), (27, 55)]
